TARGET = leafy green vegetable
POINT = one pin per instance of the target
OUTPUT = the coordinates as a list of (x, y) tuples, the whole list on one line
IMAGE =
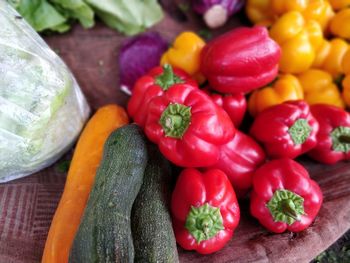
[(41, 15), (127, 16)]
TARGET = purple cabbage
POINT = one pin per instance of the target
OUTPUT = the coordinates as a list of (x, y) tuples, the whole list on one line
[(216, 12), (137, 56)]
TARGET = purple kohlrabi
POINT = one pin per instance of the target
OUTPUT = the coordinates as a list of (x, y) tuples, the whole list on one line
[(216, 12)]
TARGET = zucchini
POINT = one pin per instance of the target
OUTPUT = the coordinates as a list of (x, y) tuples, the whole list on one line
[(104, 233), (154, 239)]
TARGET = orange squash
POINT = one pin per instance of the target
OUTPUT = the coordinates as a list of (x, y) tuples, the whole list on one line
[(80, 179)]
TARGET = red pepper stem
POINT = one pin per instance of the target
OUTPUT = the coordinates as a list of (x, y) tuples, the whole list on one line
[(204, 222), (175, 120), (286, 206), (167, 78)]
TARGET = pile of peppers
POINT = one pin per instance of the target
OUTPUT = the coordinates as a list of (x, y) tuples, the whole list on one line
[(195, 103)]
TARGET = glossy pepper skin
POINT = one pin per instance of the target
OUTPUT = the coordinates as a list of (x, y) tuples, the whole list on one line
[(285, 87), (240, 60), (235, 105), (340, 24), (299, 39), (185, 54), (334, 134), (239, 158), (204, 210), (284, 197), (330, 55), (154, 84), (188, 126), (318, 87), (286, 130)]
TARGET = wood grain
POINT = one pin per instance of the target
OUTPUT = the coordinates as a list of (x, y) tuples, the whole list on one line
[(27, 205)]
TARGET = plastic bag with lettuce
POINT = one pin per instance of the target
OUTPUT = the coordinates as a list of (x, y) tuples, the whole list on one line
[(42, 109)]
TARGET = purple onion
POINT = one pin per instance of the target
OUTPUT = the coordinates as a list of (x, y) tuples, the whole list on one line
[(137, 56), (216, 12)]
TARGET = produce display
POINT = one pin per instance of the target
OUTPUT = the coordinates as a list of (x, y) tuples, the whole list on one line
[(214, 124)]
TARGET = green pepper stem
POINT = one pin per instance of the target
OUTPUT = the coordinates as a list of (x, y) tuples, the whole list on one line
[(344, 139), (286, 206), (175, 120), (341, 139), (167, 78), (300, 131), (204, 222)]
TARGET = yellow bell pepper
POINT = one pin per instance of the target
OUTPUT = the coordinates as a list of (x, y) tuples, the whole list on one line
[(346, 63), (286, 87), (185, 54), (340, 24), (346, 90), (339, 4), (319, 87), (266, 12), (346, 80), (281, 7), (329, 56), (260, 12), (320, 11), (299, 40)]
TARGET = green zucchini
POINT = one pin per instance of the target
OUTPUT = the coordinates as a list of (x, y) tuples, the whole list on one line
[(104, 233), (153, 235)]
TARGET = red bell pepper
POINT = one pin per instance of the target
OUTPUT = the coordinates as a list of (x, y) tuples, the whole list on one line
[(286, 130), (284, 197), (241, 60), (234, 104), (154, 84), (239, 158), (333, 138), (188, 126), (204, 209)]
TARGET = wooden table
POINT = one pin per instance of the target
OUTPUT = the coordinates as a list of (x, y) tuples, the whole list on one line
[(27, 205)]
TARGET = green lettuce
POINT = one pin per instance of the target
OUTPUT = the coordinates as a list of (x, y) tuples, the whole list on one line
[(127, 16)]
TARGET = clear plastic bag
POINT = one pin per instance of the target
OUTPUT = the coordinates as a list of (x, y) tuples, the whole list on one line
[(42, 109)]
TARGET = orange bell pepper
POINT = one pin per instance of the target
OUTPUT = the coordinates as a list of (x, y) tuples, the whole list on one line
[(319, 87), (299, 39), (286, 87), (185, 54), (330, 55)]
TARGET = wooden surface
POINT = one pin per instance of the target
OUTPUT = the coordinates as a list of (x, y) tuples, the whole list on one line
[(27, 205)]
